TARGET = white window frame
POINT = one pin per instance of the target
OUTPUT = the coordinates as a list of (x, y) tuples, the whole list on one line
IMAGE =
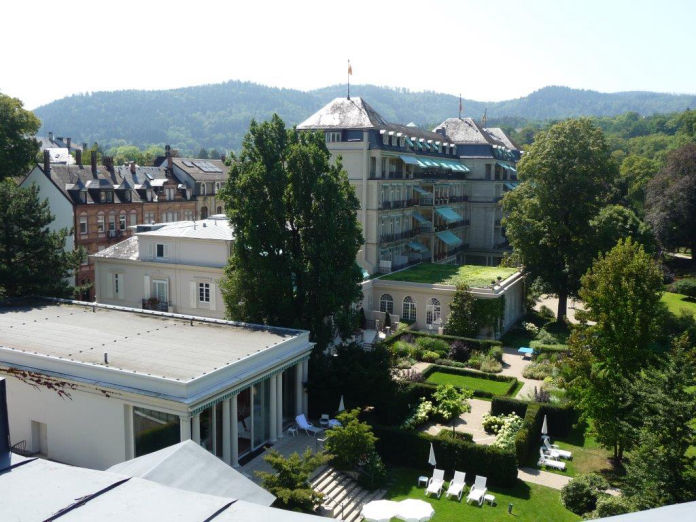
[(204, 293), (165, 253), (84, 227), (433, 312), (100, 223), (386, 303), (160, 283), (408, 308), (122, 222)]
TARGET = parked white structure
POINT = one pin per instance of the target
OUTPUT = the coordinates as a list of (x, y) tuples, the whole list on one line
[(171, 267), (95, 385)]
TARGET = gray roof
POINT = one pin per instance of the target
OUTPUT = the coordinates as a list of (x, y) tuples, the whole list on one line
[(126, 249), (499, 134), (214, 227), (199, 169), (344, 113), (188, 466), (467, 131)]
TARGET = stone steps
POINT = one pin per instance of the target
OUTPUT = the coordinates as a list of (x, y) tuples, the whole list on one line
[(343, 498)]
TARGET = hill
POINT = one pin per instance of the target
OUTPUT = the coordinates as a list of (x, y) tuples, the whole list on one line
[(218, 115)]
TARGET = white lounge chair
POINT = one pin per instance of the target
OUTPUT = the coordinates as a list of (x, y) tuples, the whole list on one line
[(306, 426), (555, 451), (456, 485), (478, 491), (548, 462), (435, 483)]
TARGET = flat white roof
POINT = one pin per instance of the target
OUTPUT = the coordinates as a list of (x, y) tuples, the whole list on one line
[(217, 227), (143, 348)]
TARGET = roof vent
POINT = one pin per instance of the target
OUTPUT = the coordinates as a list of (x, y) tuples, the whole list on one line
[(106, 358)]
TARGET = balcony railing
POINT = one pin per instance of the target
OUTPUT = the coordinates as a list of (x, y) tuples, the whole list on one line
[(438, 174), (115, 234), (400, 203), (155, 304), (450, 252), (407, 234), (449, 226)]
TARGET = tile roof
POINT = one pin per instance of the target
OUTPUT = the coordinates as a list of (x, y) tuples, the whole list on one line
[(192, 167), (126, 249), (466, 131), (499, 134), (344, 113)]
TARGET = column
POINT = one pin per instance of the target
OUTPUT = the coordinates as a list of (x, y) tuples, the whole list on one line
[(305, 377), (130, 435), (196, 430), (235, 431), (213, 428), (298, 388), (279, 403), (184, 427), (272, 417), (226, 447)]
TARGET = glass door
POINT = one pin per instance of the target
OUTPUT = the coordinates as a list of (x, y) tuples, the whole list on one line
[(262, 412)]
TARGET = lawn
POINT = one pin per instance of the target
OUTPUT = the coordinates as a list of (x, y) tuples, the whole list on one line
[(678, 302), (531, 502), (432, 273), (466, 381)]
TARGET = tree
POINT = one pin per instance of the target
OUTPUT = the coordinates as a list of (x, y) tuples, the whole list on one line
[(18, 148), (351, 443), (659, 471), (296, 232), (635, 173), (290, 479), (451, 401), (565, 177), (671, 200), (202, 154), (622, 294), (461, 320), (616, 222), (32, 258)]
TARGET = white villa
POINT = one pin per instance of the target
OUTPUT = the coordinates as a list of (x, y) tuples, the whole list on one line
[(94, 385), (171, 267)]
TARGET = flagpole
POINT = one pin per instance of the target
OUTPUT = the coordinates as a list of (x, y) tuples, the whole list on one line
[(349, 79)]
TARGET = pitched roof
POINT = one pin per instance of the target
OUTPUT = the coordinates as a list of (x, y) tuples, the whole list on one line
[(344, 113), (499, 134), (202, 169), (466, 131), (126, 249)]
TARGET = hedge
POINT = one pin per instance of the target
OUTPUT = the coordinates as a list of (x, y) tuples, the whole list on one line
[(411, 449), (478, 344), (548, 348), (528, 439), (452, 370), (505, 405)]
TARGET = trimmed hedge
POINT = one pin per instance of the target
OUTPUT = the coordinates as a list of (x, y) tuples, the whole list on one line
[(477, 344), (411, 449), (548, 348), (452, 370), (505, 405), (528, 439)]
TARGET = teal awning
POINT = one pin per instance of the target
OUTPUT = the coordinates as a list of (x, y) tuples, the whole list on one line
[(510, 186), (449, 238), (506, 166), (418, 217), (409, 159), (445, 164), (408, 141), (418, 247), (422, 192), (460, 167), (449, 214)]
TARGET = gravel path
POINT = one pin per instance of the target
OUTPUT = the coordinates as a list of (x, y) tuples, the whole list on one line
[(543, 478), (513, 365), (471, 422)]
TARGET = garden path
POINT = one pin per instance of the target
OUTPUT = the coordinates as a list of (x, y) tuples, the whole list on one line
[(551, 301), (513, 365), (471, 422), (543, 478)]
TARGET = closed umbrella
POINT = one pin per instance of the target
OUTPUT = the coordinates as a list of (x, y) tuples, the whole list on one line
[(544, 428), (431, 457), (414, 510), (379, 510), (341, 407)]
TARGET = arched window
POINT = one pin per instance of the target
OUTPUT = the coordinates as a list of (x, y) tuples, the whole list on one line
[(219, 210), (432, 312), (204, 212), (409, 309), (386, 304)]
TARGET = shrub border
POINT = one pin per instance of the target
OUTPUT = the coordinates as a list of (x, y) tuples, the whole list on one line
[(472, 373), (482, 343)]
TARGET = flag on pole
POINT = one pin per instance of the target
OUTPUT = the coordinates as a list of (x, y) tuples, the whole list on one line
[(350, 68), (460, 106)]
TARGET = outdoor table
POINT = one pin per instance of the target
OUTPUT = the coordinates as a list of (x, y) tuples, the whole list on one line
[(525, 351), (422, 481)]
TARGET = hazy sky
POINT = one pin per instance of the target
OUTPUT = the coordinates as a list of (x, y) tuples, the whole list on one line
[(484, 50)]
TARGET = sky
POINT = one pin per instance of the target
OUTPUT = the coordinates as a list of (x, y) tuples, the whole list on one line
[(483, 50)]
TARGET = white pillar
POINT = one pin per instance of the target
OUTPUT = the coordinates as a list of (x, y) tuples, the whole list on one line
[(213, 427), (298, 388), (196, 431), (272, 418), (184, 427), (279, 403), (235, 431), (226, 447), (130, 435), (305, 377)]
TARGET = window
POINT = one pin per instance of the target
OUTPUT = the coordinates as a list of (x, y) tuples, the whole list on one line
[(100, 223), (219, 210), (149, 217), (122, 222), (204, 292), (153, 430), (112, 222), (106, 196), (117, 285), (83, 196), (160, 251), (160, 290), (202, 189), (432, 314), (133, 219), (488, 171), (188, 215), (386, 304), (83, 224), (170, 193), (409, 309), (373, 166), (204, 212), (332, 137), (127, 196)]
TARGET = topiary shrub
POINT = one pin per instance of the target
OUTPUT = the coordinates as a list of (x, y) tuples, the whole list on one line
[(433, 344), (497, 353), (580, 494), (459, 351), (609, 506)]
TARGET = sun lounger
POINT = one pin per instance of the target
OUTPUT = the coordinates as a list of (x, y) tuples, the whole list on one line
[(555, 451), (306, 426), (478, 491), (435, 483), (457, 485), (548, 462)]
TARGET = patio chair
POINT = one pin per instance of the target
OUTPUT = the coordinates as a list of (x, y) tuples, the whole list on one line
[(456, 485), (306, 426), (478, 491), (548, 462), (436, 482), (324, 419), (555, 451)]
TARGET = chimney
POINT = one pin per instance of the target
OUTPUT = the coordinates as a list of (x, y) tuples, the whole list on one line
[(4, 428), (222, 158), (132, 167), (168, 153), (68, 141), (47, 162), (78, 157), (108, 162), (50, 136), (93, 160), (84, 145)]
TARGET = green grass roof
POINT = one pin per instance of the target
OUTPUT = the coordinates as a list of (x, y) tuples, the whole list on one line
[(432, 273)]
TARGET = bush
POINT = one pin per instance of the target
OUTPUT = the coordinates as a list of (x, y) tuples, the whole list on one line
[(505, 439), (349, 442), (429, 356), (491, 365), (686, 286), (373, 474), (452, 401), (580, 494), (401, 349), (548, 348), (459, 351), (538, 370), (546, 313), (453, 364), (492, 423), (433, 344), (424, 411), (530, 328), (609, 506), (496, 352)]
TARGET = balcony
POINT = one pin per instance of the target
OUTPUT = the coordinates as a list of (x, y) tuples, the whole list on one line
[(449, 226), (399, 236), (426, 202), (115, 234), (450, 252), (438, 174), (399, 174), (155, 304)]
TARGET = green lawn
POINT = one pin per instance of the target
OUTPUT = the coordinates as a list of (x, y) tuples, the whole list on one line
[(466, 381), (432, 273), (531, 502), (678, 302)]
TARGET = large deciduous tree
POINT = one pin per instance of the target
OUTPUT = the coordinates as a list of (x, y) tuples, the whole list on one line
[(622, 294), (565, 177), (32, 258), (18, 148), (671, 200), (296, 233)]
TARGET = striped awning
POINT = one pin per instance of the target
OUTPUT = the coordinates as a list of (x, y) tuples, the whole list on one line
[(418, 247), (422, 192), (448, 214), (411, 160), (449, 238)]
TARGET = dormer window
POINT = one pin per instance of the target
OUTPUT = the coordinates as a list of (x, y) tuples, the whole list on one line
[(148, 194), (170, 193), (83, 196), (202, 189), (127, 196), (106, 196)]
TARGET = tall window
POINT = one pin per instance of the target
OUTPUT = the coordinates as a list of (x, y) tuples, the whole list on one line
[(409, 309), (386, 304), (133, 219), (149, 217), (83, 224), (100, 223), (204, 212), (488, 171), (188, 215), (160, 250), (122, 222), (204, 292), (202, 189), (170, 193), (112, 222), (432, 313), (117, 285), (219, 210), (153, 430)]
